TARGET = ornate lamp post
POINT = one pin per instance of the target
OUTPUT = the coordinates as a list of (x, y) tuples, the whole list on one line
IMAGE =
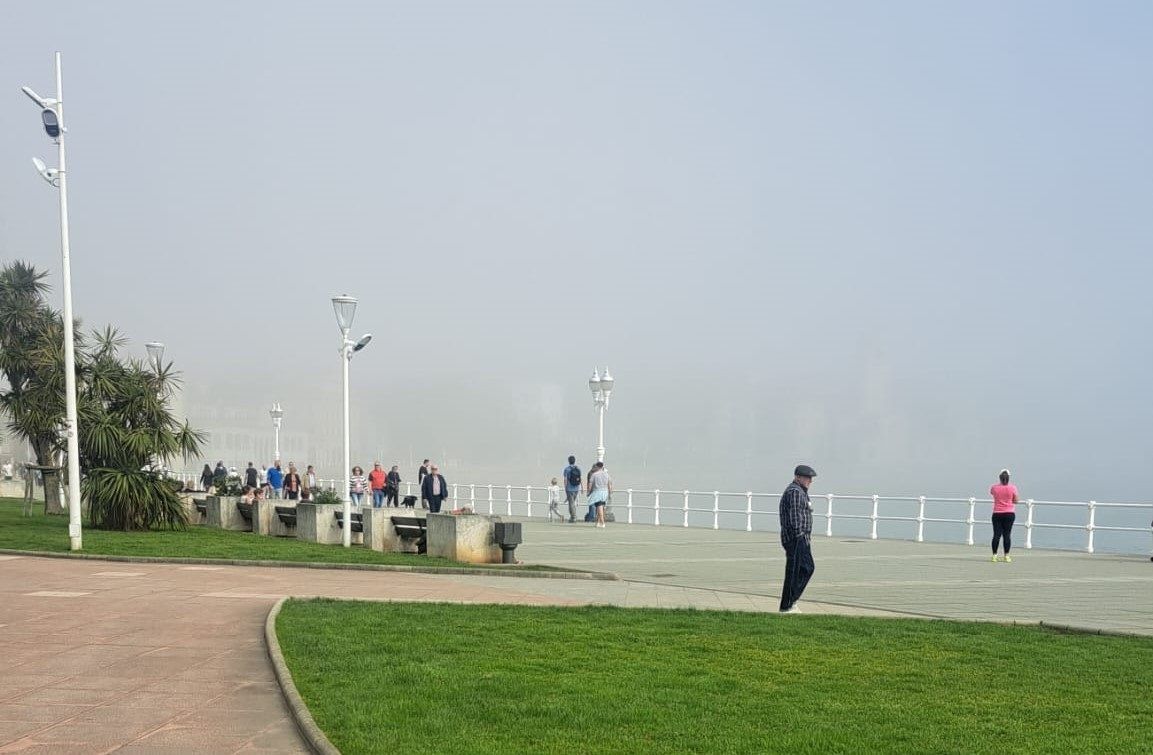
[(155, 353), (601, 386), (277, 415)]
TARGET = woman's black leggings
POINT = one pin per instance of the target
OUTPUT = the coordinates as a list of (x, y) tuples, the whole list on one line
[(1002, 526)]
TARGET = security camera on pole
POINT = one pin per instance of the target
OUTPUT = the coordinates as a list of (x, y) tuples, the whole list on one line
[(52, 114), (345, 308)]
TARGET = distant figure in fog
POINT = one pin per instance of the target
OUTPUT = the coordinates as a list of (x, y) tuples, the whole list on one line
[(356, 486), (1004, 514), (206, 477), (434, 490), (420, 475), (572, 487), (554, 501), (600, 488), (392, 487), (251, 479)]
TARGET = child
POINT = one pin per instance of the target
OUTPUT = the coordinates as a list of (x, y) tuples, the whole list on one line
[(554, 501)]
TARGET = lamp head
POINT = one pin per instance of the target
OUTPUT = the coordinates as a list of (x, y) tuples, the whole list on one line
[(43, 102), (595, 382), (51, 122), (276, 412), (364, 340), (606, 381), (155, 352), (345, 308)]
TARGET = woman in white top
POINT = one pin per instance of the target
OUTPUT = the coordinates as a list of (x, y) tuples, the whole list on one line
[(600, 487), (356, 485)]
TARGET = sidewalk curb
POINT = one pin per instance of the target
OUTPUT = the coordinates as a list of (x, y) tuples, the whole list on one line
[(312, 734), (1072, 629), (442, 570)]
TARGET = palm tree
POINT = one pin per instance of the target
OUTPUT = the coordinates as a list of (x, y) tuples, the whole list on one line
[(127, 429)]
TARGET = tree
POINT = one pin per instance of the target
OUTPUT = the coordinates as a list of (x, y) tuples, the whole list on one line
[(127, 429)]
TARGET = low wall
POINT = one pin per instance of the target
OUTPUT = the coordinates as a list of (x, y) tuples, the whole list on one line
[(266, 522), (222, 514), (465, 537), (316, 523)]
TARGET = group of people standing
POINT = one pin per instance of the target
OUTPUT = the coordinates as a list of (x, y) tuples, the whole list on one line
[(598, 486)]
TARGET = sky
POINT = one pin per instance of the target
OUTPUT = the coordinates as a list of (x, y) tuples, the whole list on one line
[(907, 243)]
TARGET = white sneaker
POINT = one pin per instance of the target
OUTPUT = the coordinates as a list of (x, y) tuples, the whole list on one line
[(792, 609)]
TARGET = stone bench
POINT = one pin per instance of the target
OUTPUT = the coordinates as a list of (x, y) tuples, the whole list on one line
[(316, 523), (224, 514), (245, 510), (357, 520), (463, 537)]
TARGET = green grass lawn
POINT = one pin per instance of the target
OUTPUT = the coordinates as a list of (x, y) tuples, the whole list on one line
[(50, 533), (442, 678)]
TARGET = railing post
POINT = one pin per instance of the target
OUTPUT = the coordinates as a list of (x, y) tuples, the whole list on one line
[(455, 504), (1029, 525), (630, 505), (508, 498), (716, 510), (972, 510), (829, 516), (528, 500), (921, 520), (748, 511), (1092, 525), (873, 516), (686, 522), (656, 508)]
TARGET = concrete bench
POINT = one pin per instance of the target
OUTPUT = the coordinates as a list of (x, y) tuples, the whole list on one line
[(286, 515), (201, 507), (357, 520), (412, 531), (245, 510)]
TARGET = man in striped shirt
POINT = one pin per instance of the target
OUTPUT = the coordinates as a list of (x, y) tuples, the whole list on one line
[(796, 537)]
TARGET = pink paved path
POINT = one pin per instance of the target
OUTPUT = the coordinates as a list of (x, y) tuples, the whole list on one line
[(100, 657)]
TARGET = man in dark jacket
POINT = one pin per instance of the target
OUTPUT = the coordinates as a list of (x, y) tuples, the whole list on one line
[(434, 489), (796, 537), (250, 477)]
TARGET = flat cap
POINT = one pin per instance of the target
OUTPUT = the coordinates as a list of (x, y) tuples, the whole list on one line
[(804, 470)]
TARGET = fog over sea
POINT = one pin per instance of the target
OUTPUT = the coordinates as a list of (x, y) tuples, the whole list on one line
[(907, 244)]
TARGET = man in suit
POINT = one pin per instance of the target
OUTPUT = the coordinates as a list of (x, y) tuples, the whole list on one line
[(434, 489)]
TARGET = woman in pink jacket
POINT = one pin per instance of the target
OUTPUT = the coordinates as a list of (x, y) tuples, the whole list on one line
[(1004, 512)]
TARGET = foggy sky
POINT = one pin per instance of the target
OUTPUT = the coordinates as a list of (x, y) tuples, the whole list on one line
[(906, 243)]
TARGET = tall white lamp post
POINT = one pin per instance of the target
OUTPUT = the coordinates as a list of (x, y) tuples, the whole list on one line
[(345, 308), (601, 386), (52, 114), (277, 414)]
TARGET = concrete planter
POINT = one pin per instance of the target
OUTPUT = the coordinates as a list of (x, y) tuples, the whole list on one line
[(465, 537), (222, 514)]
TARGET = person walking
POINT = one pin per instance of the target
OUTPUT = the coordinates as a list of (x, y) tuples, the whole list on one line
[(376, 480), (434, 489), (420, 475), (251, 479), (220, 474), (600, 488), (356, 486), (1004, 514), (554, 501), (292, 483), (796, 537), (572, 486), (309, 481), (206, 477), (392, 487), (275, 481)]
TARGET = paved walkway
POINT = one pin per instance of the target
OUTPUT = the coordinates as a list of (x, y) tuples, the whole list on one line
[(100, 657)]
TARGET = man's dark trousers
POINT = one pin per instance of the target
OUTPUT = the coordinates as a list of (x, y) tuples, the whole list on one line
[(799, 569)]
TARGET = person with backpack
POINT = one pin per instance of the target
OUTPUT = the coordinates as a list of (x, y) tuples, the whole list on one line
[(572, 486)]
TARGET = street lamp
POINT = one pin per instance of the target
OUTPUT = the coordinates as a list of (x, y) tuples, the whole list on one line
[(345, 308), (52, 115), (601, 386), (277, 414), (155, 353)]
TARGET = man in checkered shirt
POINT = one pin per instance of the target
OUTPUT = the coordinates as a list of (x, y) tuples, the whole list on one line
[(796, 537)]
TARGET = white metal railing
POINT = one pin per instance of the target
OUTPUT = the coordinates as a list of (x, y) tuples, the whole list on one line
[(728, 510)]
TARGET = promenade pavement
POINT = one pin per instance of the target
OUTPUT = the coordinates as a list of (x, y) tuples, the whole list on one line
[(99, 657)]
